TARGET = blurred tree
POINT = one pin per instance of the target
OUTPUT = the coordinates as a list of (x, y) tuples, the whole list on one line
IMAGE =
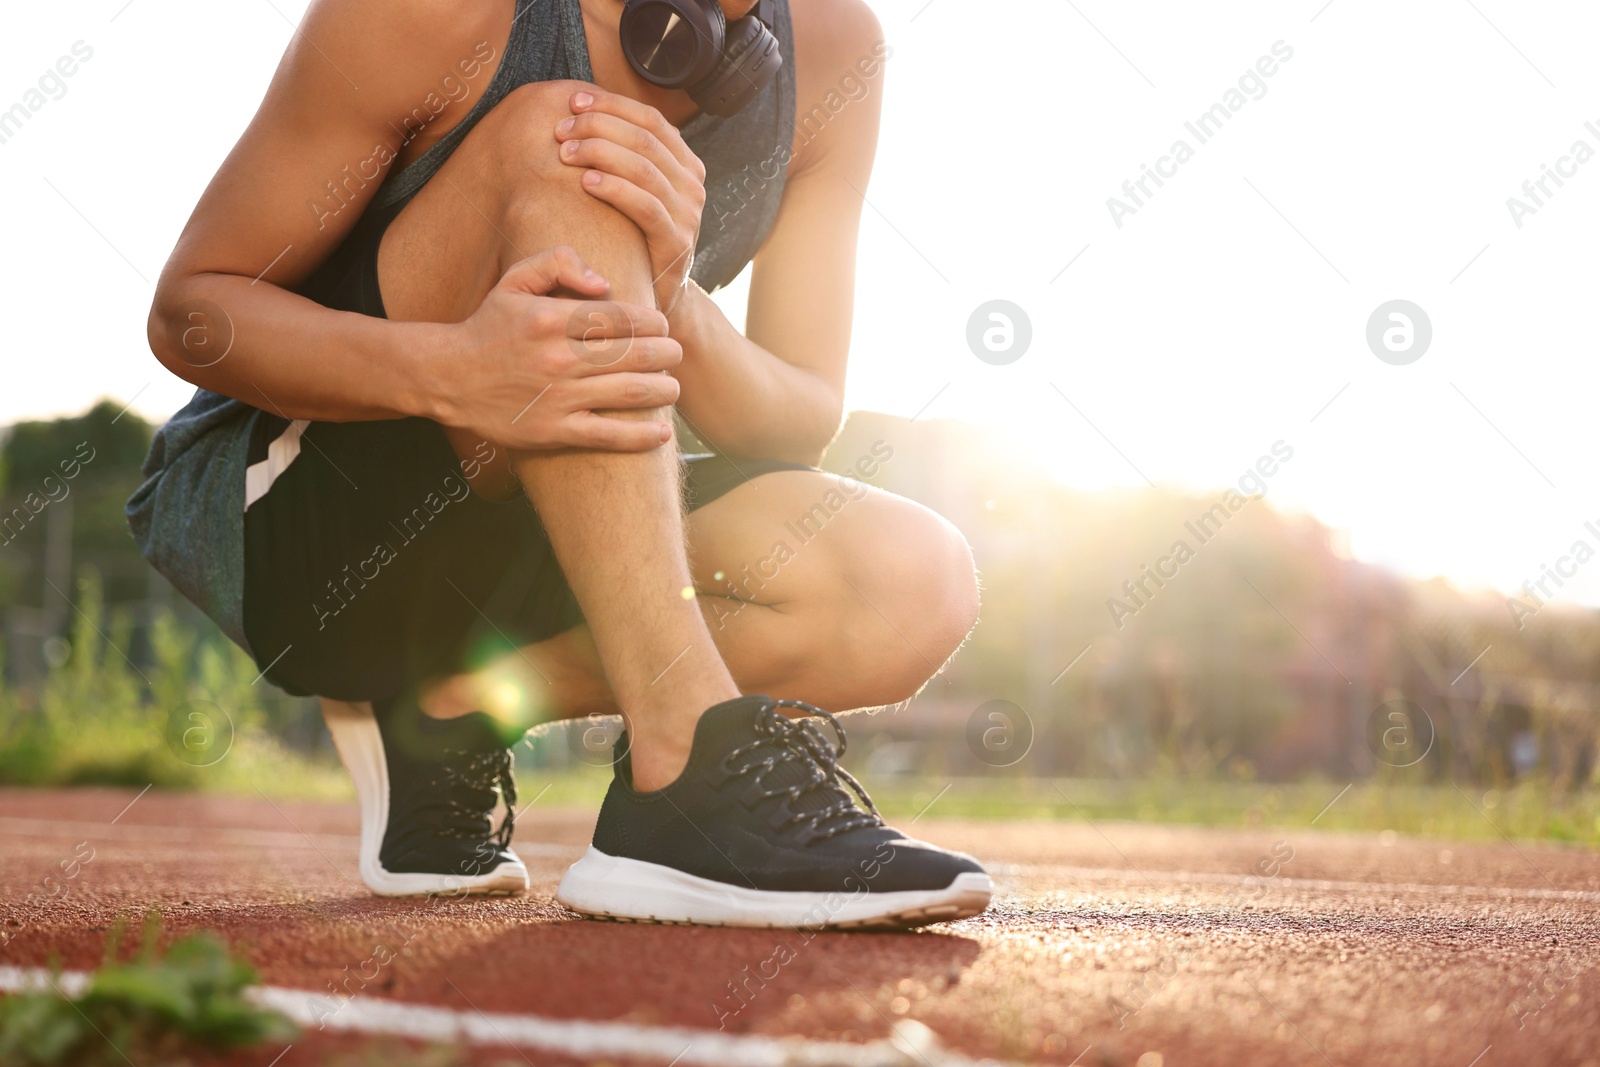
[(1267, 653), (33, 450), (91, 460)]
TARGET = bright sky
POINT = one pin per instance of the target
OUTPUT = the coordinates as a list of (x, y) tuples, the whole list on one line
[(1228, 312)]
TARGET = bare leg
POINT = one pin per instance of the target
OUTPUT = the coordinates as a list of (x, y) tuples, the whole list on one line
[(847, 598), (630, 576), (614, 520)]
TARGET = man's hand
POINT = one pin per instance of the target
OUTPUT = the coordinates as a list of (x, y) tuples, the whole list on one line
[(637, 162), (530, 371)]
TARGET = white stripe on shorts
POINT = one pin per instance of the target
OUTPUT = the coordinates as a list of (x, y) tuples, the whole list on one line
[(258, 477)]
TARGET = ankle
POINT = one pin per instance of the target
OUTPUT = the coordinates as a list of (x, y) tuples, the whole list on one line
[(657, 762), (661, 737)]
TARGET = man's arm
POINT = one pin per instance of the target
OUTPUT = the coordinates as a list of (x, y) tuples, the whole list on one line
[(333, 122), (778, 391)]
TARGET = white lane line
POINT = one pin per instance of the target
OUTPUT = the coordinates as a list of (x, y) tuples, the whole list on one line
[(910, 1043), (38, 979), (220, 835), (1112, 874)]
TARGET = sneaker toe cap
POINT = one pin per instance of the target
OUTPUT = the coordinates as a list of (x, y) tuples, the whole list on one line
[(917, 865)]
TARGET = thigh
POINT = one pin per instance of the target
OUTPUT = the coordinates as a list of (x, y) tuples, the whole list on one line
[(371, 566), (791, 534)]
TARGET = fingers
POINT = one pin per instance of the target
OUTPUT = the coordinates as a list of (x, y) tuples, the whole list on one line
[(610, 355), (585, 429), (598, 126), (642, 115), (612, 158), (555, 267), (644, 209), (588, 320), (621, 391)]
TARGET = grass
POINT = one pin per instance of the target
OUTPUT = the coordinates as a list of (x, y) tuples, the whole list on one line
[(1528, 811), (194, 718), (159, 1007)]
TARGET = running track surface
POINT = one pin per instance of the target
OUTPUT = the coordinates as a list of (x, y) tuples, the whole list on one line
[(1109, 943)]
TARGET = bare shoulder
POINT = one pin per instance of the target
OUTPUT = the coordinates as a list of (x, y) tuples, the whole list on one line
[(363, 85), (390, 30), (834, 32), (840, 55), (384, 57)]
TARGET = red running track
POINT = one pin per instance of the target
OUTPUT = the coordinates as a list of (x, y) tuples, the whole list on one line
[(1107, 942)]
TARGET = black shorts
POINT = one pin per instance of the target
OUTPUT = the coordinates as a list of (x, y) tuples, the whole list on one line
[(370, 565)]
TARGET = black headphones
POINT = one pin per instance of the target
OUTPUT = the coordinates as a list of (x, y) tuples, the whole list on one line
[(689, 44)]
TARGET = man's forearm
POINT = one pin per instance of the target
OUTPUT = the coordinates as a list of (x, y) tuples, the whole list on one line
[(285, 354), (740, 398)]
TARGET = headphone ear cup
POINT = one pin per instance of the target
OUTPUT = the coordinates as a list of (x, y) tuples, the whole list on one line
[(653, 34), (750, 61)]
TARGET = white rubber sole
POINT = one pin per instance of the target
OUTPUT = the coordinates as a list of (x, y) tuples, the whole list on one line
[(611, 887), (360, 745)]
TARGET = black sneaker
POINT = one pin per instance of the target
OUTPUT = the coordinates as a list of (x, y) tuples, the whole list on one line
[(428, 790), (760, 830)]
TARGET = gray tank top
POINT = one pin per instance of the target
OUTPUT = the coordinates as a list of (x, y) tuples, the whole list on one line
[(746, 155), (188, 515)]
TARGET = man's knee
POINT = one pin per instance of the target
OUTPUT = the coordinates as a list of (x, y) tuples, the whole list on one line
[(522, 127), (539, 193), (938, 566), (916, 571)]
